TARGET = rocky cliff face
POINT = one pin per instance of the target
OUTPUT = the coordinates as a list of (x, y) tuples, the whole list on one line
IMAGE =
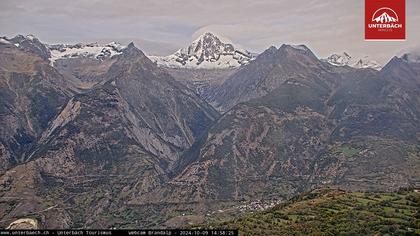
[(202, 81), (30, 43), (297, 123), (32, 94), (119, 139), (268, 71), (106, 143)]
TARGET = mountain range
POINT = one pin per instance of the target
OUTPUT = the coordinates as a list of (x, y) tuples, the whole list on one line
[(208, 51), (104, 136), (344, 59), (385, 18)]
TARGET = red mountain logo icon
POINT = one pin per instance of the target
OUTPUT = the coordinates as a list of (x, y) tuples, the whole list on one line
[(385, 15), (385, 19)]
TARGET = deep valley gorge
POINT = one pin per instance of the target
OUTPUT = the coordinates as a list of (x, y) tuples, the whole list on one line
[(105, 136)]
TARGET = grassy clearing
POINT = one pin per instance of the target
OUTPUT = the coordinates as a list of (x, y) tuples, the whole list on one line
[(347, 151)]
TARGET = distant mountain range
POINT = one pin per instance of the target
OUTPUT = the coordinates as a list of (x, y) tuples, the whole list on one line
[(345, 59), (208, 51), (65, 51), (102, 136), (93, 50)]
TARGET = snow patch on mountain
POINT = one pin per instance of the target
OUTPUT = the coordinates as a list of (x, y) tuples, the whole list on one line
[(345, 59), (64, 51), (30, 37), (4, 41), (208, 51), (92, 50)]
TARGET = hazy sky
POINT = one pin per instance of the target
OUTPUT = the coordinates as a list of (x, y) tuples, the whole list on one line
[(162, 26)]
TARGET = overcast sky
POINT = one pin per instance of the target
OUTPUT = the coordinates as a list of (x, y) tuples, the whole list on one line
[(162, 26)]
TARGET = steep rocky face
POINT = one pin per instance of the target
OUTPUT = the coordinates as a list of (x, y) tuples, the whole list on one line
[(119, 140), (84, 65), (171, 110), (32, 94), (89, 159), (208, 51), (378, 121), (83, 72), (372, 105), (267, 72), (251, 153), (268, 145), (403, 70), (314, 125), (31, 44), (202, 81)]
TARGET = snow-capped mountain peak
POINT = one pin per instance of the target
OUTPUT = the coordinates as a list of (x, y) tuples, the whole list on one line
[(339, 59), (365, 62), (64, 51), (344, 59), (92, 50), (28, 43), (30, 37), (208, 51)]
